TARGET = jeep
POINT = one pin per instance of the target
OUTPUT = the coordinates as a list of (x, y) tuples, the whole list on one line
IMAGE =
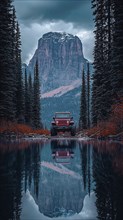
[(62, 121)]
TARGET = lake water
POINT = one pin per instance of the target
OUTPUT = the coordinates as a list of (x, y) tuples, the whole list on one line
[(61, 179)]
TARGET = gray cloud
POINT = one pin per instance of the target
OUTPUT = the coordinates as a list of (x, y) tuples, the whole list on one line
[(37, 11), (37, 17), (31, 34)]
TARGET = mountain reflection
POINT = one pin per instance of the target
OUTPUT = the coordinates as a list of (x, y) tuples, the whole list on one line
[(57, 196), (59, 175)]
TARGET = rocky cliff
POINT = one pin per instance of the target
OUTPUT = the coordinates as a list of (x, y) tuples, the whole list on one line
[(60, 58)]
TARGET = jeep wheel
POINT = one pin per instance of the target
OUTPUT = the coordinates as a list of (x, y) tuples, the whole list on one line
[(53, 132), (73, 131)]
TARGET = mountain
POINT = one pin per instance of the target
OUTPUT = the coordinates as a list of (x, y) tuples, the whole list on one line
[(56, 196), (61, 60), (65, 99)]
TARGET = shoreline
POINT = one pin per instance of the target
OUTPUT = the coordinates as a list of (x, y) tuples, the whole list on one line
[(32, 137)]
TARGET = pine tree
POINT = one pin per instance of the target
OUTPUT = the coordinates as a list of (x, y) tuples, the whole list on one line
[(7, 75), (13, 29), (101, 90), (26, 90), (30, 96), (19, 79), (83, 105), (88, 96), (98, 57), (11, 88), (36, 99), (117, 51)]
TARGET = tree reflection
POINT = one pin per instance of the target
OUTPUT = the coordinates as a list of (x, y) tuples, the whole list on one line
[(10, 185), (32, 167), (19, 168), (108, 185), (101, 168), (85, 151)]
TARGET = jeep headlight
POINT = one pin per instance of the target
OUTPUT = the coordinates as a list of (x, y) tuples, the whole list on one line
[(57, 122)]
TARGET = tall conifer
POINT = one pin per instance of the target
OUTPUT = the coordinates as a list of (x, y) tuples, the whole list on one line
[(83, 105), (117, 51), (30, 96), (36, 104), (7, 75), (88, 96), (102, 89), (19, 79), (26, 90)]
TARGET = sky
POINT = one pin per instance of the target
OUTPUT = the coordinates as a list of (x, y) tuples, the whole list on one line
[(37, 17)]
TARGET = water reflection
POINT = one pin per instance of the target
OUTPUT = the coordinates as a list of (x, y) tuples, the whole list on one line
[(63, 151), (58, 196), (108, 183), (61, 178), (18, 167)]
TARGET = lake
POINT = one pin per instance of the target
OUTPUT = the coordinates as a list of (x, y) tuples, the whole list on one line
[(61, 179)]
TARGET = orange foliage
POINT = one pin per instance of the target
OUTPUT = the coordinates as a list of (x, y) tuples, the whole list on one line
[(107, 128), (6, 126), (112, 126), (103, 129), (91, 131), (117, 114), (23, 129), (13, 127), (41, 132)]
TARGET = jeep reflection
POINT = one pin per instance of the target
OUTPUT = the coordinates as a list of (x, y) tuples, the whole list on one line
[(62, 121)]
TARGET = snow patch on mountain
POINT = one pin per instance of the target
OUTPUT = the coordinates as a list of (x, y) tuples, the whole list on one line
[(62, 90), (60, 169)]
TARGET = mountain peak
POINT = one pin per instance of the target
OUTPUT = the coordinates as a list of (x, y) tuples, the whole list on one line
[(61, 60), (57, 35)]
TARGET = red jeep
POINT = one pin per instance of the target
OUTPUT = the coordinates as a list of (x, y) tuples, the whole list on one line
[(63, 122)]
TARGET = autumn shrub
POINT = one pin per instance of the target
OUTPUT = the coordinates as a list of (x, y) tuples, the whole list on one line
[(41, 131), (91, 131), (107, 128), (113, 126), (103, 129), (24, 129), (7, 126), (117, 114)]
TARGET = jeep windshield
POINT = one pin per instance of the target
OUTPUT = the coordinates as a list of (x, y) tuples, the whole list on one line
[(62, 115)]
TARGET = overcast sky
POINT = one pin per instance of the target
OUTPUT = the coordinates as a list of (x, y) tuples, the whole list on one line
[(37, 17)]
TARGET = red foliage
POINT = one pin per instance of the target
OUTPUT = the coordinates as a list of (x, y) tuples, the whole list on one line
[(41, 132), (112, 126), (103, 129), (117, 114), (6, 126)]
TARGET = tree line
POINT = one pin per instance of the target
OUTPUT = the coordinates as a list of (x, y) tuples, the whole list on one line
[(32, 99), (85, 99), (108, 57), (107, 87), (19, 96)]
